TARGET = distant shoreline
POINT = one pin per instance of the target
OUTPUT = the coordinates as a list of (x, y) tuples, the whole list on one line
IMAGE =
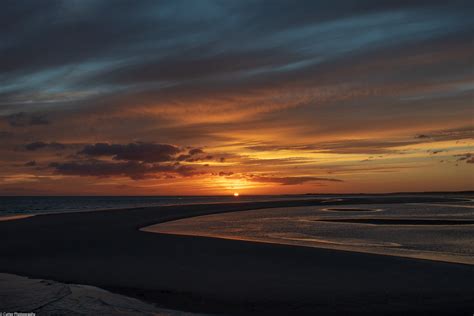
[(258, 195)]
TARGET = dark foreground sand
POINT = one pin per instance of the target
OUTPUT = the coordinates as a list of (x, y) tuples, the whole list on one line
[(46, 297), (198, 274)]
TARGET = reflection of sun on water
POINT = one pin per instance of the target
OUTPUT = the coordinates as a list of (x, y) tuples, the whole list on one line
[(236, 194)]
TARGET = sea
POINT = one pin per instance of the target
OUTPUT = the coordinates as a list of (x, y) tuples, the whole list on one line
[(27, 205), (432, 231)]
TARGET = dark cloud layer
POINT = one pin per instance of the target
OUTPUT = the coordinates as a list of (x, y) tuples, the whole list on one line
[(41, 145), (169, 45), (137, 161), (22, 119), (132, 169), (145, 152)]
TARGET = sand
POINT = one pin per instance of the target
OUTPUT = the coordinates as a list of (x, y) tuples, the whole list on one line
[(46, 297), (198, 274), (396, 221), (13, 217)]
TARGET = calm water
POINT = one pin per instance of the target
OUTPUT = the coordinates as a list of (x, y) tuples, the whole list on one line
[(422, 230), (38, 204), (436, 231)]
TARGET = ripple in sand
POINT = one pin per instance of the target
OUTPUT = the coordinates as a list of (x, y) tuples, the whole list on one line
[(390, 221)]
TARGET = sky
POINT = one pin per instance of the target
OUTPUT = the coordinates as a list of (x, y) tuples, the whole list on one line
[(216, 97)]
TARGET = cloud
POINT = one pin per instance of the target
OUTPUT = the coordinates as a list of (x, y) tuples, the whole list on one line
[(422, 136), (132, 169), (289, 180), (376, 145), (449, 134), (40, 145), (389, 74), (183, 157), (139, 160), (193, 155), (31, 163), (282, 147), (22, 119), (349, 146), (5, 134), (225, 174), (145, 152), (467, 157), (196, 151)]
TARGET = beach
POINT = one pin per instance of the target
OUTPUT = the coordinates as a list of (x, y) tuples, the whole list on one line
[(46, 297), (107, 249), (236, 157)]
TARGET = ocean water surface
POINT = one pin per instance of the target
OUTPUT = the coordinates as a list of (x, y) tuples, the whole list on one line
[(25, 205), (434, 231)]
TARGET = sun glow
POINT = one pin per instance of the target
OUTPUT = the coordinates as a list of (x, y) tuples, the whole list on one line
[(236, 194)]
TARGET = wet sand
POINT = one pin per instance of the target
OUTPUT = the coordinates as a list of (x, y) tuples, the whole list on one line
[(13, 217), (389, 221), (198, 274)]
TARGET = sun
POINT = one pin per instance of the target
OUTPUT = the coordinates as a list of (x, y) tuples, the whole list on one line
[(236, 194)]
